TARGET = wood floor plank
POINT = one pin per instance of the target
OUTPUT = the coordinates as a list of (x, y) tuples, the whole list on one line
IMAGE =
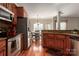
[(36, 49)]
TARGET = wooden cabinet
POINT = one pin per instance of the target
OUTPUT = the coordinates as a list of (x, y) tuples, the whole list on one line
[(12, 28), (21, 24), (58, 42), (4, 4), (7, 5), (20, 12), (2, 47), (14, 10)]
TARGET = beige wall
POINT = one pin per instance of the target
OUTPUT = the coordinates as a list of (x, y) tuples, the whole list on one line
[(42, 21), (72, 22)]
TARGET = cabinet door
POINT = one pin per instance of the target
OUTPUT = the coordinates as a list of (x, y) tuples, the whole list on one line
[(14, 10), (2, 47), (20, 12), (4, 4)]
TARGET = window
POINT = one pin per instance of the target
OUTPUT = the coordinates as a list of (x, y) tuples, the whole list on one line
[(38, 26), (62, 25), (49, 26)]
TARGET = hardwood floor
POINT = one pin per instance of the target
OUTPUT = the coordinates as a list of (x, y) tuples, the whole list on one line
[(36, 49)]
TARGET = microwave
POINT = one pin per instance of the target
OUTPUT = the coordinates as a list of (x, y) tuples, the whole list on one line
[(5, 15)]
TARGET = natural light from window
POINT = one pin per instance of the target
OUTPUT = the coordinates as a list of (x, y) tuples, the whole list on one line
[(38, 26), (62, 26)]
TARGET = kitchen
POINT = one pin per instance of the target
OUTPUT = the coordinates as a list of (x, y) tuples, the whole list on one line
[(58, 30)]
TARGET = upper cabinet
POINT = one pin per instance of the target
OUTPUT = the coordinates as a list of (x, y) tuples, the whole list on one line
[(11, 8), (14, 10), (20, 12)]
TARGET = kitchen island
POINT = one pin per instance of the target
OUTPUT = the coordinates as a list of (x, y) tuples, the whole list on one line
[(65, 43)]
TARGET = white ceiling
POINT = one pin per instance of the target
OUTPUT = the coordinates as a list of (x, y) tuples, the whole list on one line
[(49, 10)]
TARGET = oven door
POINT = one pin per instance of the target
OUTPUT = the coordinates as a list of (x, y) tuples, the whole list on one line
[(14, 45)]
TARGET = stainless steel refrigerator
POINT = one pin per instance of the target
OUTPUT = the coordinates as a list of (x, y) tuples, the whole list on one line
[(21, 27)]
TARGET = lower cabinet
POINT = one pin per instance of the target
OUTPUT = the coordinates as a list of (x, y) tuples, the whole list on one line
[(57, 42), (2, 47)]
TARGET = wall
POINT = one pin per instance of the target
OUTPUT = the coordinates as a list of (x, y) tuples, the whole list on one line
[(43, 21), (72, 22)]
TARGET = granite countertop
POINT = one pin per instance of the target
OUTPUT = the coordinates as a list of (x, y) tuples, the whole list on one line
[(77, 35), (3, 38)]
